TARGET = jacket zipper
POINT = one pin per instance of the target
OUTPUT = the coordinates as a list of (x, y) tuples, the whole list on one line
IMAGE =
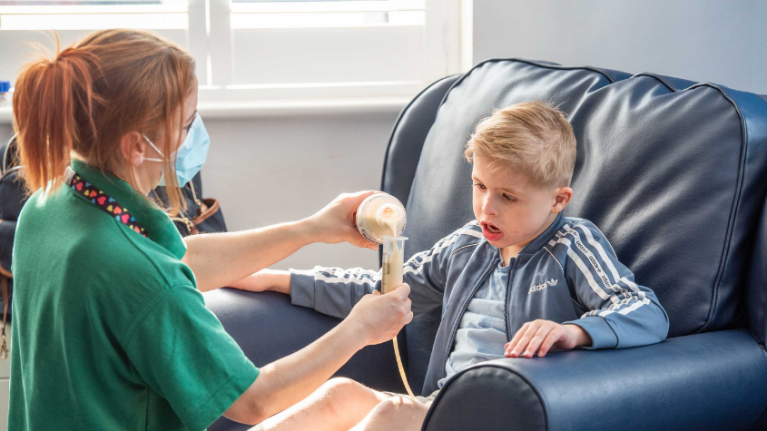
[(508, 298), (464, 305)]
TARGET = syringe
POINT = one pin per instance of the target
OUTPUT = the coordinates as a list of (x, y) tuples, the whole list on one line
[(391, 277)]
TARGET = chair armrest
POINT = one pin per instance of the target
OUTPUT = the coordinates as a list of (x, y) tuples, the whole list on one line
[(712, 381)]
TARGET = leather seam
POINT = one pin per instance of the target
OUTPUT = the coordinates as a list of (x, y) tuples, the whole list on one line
[(737, 197), (399, 119), (610, 78)]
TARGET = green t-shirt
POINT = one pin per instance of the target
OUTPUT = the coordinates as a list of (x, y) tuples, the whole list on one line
[(109, 329)]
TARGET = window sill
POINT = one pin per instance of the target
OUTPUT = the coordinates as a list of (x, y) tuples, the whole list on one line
[(235, 109)]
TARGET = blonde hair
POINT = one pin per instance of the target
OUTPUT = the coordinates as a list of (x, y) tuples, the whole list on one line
[(533, 138), (85, 98)]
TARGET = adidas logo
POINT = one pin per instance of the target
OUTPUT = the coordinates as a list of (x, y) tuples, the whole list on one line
[(539, 287)]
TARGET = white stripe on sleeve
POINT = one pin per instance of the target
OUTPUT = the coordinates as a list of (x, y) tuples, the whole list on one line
[(585, 270), (355, 276), (427, 256), (601, 274), (594, 243)]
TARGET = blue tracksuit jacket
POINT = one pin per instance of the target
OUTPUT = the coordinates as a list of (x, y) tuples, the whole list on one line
[(568, 274)]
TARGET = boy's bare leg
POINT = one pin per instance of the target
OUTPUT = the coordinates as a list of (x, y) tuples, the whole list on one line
[(337, 405), (397, 413)]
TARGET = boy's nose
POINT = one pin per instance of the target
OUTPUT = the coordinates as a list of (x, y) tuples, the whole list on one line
[(488, 206)]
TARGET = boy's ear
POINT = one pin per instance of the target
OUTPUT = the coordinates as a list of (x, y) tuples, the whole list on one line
[(562, 198)]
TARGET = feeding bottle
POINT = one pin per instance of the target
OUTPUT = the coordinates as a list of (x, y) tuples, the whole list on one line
[(380, 215)]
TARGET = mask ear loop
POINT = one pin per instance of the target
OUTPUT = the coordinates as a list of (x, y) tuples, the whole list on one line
[(152, 159)]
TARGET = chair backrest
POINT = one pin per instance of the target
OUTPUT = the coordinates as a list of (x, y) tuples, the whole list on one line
[(673, 172)]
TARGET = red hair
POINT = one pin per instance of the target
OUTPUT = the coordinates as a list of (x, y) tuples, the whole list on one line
[(87, 97)]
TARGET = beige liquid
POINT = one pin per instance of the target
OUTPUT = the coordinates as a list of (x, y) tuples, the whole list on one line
[(391, 276)]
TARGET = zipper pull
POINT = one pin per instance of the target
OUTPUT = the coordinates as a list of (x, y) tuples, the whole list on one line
[(190, 228)]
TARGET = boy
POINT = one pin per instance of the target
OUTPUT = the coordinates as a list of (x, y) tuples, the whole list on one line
[(520, 269)]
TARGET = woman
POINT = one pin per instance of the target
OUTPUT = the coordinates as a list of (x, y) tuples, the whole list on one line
[(110, 328)]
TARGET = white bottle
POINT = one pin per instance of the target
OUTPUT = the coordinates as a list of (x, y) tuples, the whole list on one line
[(5, 95), (380, 215)]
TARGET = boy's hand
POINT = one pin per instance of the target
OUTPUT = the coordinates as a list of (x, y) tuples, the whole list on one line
[(266, 279), (541, 336)]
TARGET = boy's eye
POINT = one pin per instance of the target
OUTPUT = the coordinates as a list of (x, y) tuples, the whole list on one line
[(509, 198), (480, 185)]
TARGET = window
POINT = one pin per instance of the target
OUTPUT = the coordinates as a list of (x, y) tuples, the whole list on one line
[(24, 23), (266, 49)]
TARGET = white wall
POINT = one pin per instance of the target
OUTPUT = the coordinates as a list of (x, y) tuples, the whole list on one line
[(5, 133), (721, 41), (272, 170)]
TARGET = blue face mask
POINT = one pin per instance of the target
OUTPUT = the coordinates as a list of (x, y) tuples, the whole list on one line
[(191, 155)]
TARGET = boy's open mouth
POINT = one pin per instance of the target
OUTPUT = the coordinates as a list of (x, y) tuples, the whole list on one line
[(491, 232)]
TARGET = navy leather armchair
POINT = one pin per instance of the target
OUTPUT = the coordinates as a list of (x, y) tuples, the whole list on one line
[(674, 172)]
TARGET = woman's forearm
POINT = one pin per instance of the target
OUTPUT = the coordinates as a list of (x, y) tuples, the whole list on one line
[(266, 279), (375, 319), (220, 259), (291, 379)]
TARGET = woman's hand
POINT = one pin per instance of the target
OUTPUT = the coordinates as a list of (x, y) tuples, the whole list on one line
[(264, 280), (335, 222), (381, 317), (541, 336)]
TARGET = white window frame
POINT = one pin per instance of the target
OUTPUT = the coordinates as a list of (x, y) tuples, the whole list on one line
[(446, 32), (442, 46)]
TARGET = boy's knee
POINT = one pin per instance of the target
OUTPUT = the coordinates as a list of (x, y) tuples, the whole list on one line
[(384, 411), (394, 406), (340, 387), (338, 393), (399, 413)]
